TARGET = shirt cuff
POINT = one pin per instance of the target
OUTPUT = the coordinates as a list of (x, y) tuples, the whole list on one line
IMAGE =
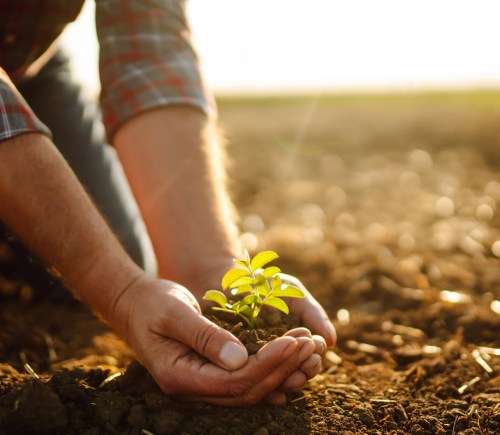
[(146, 60), (139, 88), (16, 117)]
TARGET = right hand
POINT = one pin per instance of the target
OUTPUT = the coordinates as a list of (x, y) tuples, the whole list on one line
[(192, 357)]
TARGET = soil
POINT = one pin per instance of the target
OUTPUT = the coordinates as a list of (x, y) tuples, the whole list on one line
[(385, 207)]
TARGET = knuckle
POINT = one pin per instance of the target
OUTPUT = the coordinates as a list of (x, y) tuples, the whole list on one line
[(203, 337), (312, 362), (320, 345), (311, 374)]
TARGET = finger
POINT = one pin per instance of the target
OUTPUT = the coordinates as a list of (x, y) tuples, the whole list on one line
[(318, 340), (267, 384), (282, 374), (215, 343), (320, 344), (309, 368), (298, 332), (189, 297), (241, 389), (312, 366), (205, 337), (276, 398), (305, 348), (314, 317), (295, 381)]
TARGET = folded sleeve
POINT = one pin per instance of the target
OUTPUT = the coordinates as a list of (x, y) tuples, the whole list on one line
[(146, 59), (16, 117)]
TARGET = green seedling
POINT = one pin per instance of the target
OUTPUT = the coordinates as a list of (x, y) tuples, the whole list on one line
[(262, 286)]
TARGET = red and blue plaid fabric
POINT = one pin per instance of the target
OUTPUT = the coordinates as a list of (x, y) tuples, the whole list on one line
[(15, 115), (146, 57)]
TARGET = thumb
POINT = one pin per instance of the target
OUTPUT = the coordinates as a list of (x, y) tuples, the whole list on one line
[(213, 342)]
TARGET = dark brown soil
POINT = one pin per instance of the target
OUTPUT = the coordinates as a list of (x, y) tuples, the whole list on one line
[(388, 213)]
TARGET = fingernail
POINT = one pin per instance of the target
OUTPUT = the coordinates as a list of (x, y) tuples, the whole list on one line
[(233, 355)]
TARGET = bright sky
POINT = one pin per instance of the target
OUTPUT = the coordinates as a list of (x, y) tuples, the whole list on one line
[(317, 45)]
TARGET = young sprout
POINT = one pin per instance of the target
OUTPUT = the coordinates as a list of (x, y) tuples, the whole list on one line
[(262, 287)]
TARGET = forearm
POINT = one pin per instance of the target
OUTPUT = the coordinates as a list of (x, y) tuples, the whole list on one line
[(44, 204), (174, 164)]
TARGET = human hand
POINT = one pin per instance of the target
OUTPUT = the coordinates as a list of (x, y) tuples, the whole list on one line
[(310, 313), (190, 356)]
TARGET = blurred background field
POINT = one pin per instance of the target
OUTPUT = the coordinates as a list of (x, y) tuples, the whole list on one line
[(381, 180), (316, 125)]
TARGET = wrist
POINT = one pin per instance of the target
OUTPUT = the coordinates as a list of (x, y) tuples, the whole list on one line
[(102, 284), (119, 308)]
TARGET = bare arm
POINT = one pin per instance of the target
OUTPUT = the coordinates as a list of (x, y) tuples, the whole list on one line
[(44, 204), (173, 161)]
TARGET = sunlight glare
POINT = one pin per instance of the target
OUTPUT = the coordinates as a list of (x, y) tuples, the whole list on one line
[(320, 45)]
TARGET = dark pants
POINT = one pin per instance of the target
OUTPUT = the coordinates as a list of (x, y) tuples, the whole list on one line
[(79, 135)]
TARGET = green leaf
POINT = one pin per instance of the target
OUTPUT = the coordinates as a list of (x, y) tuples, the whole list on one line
[(269, 272), (259, 279), (277, 303), (262, 258), (246, 280), (251, 299), (263, 289), (276, 283), (290, 292), (231, 276), (236, 306), (246, 257), (242, 289), (216, 296), (241, 263)]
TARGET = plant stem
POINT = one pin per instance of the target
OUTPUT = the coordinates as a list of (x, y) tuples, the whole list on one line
[(255, 309)]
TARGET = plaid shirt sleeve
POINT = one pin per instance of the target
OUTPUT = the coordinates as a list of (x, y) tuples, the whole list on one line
[(146, 59), (15, 115)]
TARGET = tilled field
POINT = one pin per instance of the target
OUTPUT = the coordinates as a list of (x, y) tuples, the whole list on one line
[(388, 212)]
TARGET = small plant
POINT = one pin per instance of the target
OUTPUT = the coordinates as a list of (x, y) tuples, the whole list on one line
[(262, 286)]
